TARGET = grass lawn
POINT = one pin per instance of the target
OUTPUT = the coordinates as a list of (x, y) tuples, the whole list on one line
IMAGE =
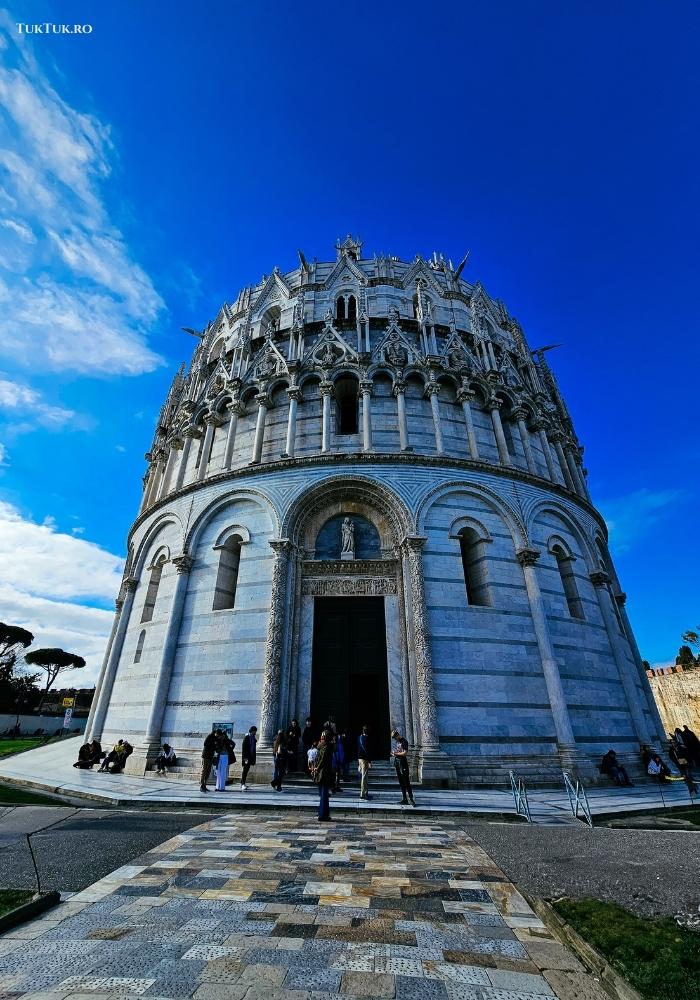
[(658, 958), (10, 898), (16, 746), (9, 795), (692, 814)]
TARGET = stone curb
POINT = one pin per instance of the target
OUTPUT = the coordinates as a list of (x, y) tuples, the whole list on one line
[(28, 910), (609, 980)]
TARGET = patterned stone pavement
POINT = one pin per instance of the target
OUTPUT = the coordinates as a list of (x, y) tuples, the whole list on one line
[(283, 908)]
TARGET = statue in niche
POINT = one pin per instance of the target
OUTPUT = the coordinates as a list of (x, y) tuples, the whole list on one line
[(347, 548)]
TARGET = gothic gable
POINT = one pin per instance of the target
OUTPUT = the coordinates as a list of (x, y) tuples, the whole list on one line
[(395, 348), (457, 356), (331, 348)]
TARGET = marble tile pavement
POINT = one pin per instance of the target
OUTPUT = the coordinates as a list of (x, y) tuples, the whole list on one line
[(263, 906)]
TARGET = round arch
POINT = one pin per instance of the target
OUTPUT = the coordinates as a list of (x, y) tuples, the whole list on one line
[(498, 505), (551, 507), (205, 516)]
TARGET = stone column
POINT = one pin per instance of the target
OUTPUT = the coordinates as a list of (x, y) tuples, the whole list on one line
[(211, 421), (144, 498), (520, 415), (326, 390), (263, 401), (434, 392), (435, 766), (118, 605), (494, 408), (557, 438), (573, 471), (657, 722), (236, 410), (190, 434), (269, 704), (366, 389), (540, 427), (183, 564), (175, 446), (109, 672), (154, 479), (601, 582), (294, 394), (560, 712), (399, 390), (466, 397)]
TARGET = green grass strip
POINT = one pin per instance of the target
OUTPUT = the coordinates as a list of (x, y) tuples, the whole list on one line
[(11, 898), (657, 957)]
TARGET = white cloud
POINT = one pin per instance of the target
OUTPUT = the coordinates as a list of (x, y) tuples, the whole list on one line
[(3, 454), (630, 518), (75, 298), (23, 401), (48, 580)]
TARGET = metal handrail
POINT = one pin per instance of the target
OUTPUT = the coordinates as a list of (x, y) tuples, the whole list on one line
[(577, 798), (522, 806)]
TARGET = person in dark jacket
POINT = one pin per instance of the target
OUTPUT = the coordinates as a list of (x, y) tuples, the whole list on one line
[(308, 735), (399, 752), (250, 742), (324, 775), (166, 758), (611, 766), (279, 754), (692, 745), (95, 752), (84, 757), (364, 762), (293, 738), (208, 753)]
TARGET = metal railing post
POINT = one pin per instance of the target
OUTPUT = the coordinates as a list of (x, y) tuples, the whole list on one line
[(522, 806), (577, 798)]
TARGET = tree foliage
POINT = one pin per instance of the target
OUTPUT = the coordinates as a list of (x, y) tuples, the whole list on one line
[(685, 657), (692, 637), (53, 662), (13, 640)]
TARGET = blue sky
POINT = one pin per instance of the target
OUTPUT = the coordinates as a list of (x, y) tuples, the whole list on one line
[(153, 167)]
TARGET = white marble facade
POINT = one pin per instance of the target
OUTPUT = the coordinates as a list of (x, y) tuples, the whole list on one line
[(406, 398)]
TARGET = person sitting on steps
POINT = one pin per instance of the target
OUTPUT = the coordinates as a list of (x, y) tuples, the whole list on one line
[(166, 758)]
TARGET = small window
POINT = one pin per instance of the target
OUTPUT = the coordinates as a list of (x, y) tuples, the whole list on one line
[(346, 394), (508, 435), (475, 569), (152, 592), (568, 581), (340, 308), (227, 577), (352, 308), (139, 646), (415, 306)]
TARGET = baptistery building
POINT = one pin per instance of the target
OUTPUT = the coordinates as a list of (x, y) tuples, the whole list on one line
[(365, 500)]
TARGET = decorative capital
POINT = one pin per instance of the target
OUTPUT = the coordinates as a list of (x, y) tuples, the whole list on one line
[(130, 585), (527, 557), (621, 599), (326, 388), (539, 424), (262, 399), (600, 578), (294, 392), (119, 604), (494, 404), (399, 386), (366, 385), (236, 407), (465, 395), (148, 456), (519, 413), (414, 543), (213, 420), (193, 432), (282, 547), (177, 443), (183, 563), (432, 389), (556, 436)]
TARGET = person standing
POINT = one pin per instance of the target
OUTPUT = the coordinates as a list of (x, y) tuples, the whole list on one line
[(208, 753), (293, 737), (324, 775), (692, 745), (399, 751), (225, 756), (364, 762), (250, 742), (308, 736), (279, 753)]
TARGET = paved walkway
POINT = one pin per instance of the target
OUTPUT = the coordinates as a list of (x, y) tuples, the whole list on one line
[(50, 768), (283, 908)]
